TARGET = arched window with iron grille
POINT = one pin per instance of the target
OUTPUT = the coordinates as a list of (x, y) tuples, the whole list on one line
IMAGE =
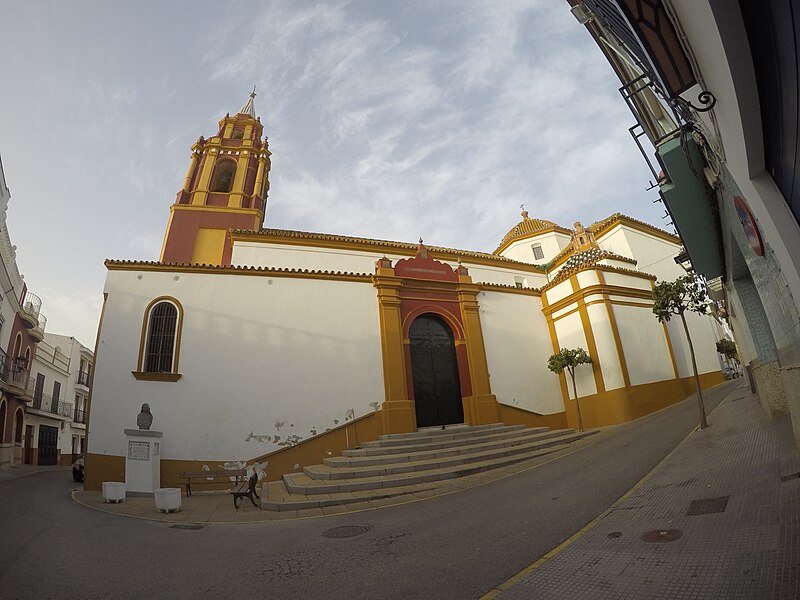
[(161, 339)]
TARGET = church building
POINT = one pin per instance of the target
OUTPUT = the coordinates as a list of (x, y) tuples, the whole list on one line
[(257, 345)]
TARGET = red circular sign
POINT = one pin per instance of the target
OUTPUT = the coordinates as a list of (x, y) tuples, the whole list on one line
[(749, 224)]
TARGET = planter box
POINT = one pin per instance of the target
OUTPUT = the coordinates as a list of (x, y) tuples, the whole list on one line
[(114, 491), (168, 499)]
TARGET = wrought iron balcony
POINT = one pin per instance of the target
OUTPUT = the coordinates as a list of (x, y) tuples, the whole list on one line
[(16, 378), (46, 403), (37, 332), (80, 416), (83, 378), (31, 306)]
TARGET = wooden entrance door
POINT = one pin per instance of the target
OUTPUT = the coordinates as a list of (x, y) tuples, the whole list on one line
[(48, 445), (434, 371)]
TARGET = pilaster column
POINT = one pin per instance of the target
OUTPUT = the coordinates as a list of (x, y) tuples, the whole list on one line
[(397, 410), (190, 171), (237, 191), (481, 407)]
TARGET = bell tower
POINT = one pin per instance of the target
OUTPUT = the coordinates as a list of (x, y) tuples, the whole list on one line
[(225, 188)]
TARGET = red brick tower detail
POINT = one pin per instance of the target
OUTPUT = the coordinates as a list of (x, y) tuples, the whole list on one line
[(225, 188)]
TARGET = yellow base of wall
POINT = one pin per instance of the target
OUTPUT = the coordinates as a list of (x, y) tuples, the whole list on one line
[(628, 404), (100, 468), (480, 410), (608, 408), (511, 415)]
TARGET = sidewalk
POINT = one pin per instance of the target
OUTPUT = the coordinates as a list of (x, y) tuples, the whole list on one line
[(12, 472), (718, 518)]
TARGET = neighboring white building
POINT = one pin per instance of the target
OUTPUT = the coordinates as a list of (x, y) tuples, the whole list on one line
[(713, 85), (21, 329), (57, 414), (255, 345)]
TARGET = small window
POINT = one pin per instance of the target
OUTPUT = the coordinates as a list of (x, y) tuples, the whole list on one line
[(519, 282), (538, 254), (162, 327), (222, 181), (237, 134)]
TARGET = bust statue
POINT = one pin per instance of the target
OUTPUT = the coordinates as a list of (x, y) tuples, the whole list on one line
[(145, 418)]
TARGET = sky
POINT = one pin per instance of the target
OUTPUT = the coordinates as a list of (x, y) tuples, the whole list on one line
[(389, 120)]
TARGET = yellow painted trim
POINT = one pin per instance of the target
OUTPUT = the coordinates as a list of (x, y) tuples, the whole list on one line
[(533, 234), (142, 340), (245, 271), (551, 326), (476, 349), (640, 226), (671, 352), (590, 341), (508, 289), (623, 364), (224, 209), (597, 289), (637, 304), (397, 411), (142, 376), (566, 314)]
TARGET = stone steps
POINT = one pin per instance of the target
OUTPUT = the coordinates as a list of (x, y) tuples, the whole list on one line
[(426, 457), (342, 467)]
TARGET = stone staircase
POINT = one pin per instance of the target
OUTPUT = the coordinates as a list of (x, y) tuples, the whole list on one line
[(398, 464)]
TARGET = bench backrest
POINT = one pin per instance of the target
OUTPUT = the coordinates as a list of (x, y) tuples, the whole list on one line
[(224, 473)]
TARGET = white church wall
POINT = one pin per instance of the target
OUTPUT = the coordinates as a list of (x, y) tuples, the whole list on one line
[(638, 329), (570, 334), (262, 362), (616, 242), (287, 256), (704, 340), (522, 250), (588, 278), (654, 255), (606, 347), (518, 344), (631, 281)]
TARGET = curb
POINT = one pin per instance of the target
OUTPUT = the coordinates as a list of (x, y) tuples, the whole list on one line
[(514, 579)]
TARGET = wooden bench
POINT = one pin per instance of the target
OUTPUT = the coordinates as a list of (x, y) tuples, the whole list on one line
[(208, 477), (246, 490)]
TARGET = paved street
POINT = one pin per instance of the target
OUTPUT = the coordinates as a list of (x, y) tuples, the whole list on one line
[(458, 546), (718, 519)]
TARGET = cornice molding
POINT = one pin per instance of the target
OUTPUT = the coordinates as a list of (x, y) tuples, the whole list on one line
[(323, 240)]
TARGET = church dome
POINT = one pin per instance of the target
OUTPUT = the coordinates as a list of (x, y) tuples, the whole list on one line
[(525, 228)]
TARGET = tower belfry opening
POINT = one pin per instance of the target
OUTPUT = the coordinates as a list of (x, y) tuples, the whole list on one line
[(225, 187)]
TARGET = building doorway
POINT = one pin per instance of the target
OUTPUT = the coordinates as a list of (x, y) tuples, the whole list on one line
[(48, 445), (434, 371), (27, 450)]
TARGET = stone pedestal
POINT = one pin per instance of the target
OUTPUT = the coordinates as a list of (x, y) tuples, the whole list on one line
[(142, 461)]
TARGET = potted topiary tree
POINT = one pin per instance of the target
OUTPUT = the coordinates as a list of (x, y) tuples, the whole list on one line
[(568, 359), (675, 298)]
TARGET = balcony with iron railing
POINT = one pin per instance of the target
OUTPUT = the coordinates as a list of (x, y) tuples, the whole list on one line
[(49, 404), (83, 378), (31, 306), (80, 416), (38, 332), (16, 377)]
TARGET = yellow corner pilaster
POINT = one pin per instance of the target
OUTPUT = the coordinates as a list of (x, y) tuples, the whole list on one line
[(201, 193), (397, 410), (190, 171), (481, 407)]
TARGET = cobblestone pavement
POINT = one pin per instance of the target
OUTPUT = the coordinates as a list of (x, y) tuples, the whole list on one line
[(718, 518)]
